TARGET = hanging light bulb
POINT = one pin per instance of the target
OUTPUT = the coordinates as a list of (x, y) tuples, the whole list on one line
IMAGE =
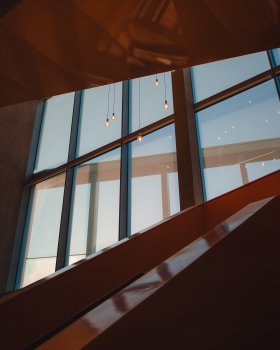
[(107, 121), (113, 114), (139, 138), (165, 98), (157, 81)]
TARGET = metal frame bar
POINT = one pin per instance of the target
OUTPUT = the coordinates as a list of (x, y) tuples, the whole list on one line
[(190, 184), (124, 169), (63, 239), (274, 66), (193, 139), (44, 175)]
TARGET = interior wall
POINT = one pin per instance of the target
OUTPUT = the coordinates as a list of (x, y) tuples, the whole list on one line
[(16, 126)]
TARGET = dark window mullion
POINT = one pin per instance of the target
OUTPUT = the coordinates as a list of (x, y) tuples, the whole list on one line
[(277, 83), (274, 65), (124, 228), (271, 58), (190, 184), (68, 190)]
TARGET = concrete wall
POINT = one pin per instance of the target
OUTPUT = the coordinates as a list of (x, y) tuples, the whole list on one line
[(16, 126)]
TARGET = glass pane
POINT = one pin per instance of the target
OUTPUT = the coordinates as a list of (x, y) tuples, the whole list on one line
[(37, 268), (95, 220), (276, 54), (211, 78), (256, 170), (43, 229), (173, 190), (240, 139), (221, 179), (154, 185), (94, 110), (75, 258), (152, 98), (55, 135)]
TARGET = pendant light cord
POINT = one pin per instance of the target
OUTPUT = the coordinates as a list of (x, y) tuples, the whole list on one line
[(108, 101), (139, 103), (164, 86), (114, 98)]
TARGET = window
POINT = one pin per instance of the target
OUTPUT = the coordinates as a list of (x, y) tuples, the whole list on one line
[(92, 172), (43, 229), (152, 99), (96, 105), (111, 185), (209, 79), (154, 178), (95, 219), (55, 133), (240, 139)]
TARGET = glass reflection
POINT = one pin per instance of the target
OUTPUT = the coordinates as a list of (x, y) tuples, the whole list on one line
[(98, 103), (211, 78), (154, 183), (95, 218), (55, 132), (43, 229), (240, 139), (152, 99)]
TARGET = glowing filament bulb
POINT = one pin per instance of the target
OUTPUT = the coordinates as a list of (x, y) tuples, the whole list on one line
[(107, 123), (165, 104), (157, 82), (113, 116), (139, 138)]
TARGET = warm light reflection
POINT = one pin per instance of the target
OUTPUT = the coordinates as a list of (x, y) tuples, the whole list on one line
[(139, 138)]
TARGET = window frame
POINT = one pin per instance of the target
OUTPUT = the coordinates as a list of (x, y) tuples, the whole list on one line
[(187, 148), (271, 74), (180, 84)]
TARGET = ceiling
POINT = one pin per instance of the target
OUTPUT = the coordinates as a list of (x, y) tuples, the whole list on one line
[(54, 46)]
